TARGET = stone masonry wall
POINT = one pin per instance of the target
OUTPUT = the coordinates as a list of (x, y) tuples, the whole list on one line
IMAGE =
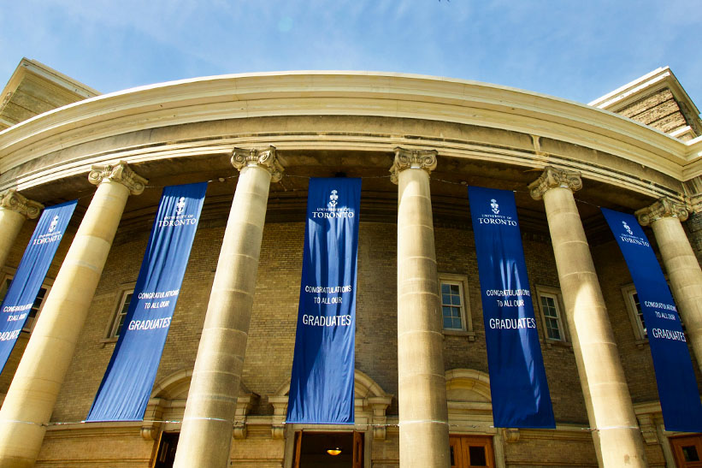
[(272, 332)]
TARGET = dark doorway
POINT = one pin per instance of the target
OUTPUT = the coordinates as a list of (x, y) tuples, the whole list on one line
[(166, 450), (328, 450)]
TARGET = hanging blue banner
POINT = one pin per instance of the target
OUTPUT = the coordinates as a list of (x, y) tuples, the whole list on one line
[(675, 375), (520, 395), (31, 272), (322, 385), (126, 386)]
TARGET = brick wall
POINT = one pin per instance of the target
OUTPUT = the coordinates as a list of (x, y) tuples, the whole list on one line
[(272, 333)]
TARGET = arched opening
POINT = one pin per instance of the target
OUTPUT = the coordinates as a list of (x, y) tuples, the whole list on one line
[(166, 408), (306, 446), (472, 437)]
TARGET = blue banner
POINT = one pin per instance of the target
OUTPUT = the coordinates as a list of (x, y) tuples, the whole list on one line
[(677, 385), (31, 272), (322, 385), (126, 386), (520, 396)]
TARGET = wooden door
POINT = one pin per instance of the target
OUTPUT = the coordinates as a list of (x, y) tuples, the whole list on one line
[(298, 449), (471, 451), (357, 450), (687, 451)]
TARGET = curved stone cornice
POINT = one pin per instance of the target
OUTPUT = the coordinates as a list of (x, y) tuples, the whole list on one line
[(663, 208), (412, 159), (267, 159), (12, 200), (293, 94), (120, 173), (552, 178)]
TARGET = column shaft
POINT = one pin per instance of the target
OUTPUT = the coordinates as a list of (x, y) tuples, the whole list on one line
[(206, 433), (424, 432), (618, 440), (35, 387), (10, 225), (685, 277)]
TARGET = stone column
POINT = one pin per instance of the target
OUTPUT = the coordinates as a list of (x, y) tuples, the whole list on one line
[(680, 262), (14, 209), (206, 433), (424, 431), (618, 440), (35, 387)]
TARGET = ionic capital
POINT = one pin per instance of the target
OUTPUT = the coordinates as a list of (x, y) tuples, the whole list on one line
[(11, 200), (555, 178), (266, 159), (412, 159), (663, 208), (119, 172)]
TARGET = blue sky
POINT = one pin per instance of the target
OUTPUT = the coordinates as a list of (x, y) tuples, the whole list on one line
[(574, 49)]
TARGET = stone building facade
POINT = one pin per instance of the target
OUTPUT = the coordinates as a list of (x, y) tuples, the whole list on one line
[(563, 160)]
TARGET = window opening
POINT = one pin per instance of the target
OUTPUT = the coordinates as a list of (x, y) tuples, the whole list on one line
[(639, 312), (633, 306), (452, 305), (121, 313), (551, 305), (36, 307)]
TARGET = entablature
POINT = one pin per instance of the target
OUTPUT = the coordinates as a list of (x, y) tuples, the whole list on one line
[(112, 126)]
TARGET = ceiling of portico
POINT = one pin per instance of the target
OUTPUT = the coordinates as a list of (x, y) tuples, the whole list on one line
[(287, 199)]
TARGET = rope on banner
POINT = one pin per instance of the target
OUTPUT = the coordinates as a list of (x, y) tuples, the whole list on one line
[(78, 423), (286, 189), (208, 419), (523, 192), (26, 422), (369, 425), (219, 179), (223, 179), (423, 421), (450, 182), (609, 428)]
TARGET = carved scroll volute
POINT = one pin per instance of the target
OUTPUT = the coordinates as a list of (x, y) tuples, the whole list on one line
[(12, 200), (412, 159), (663, 208), (555, 178), (266, 159), (119, 172)]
